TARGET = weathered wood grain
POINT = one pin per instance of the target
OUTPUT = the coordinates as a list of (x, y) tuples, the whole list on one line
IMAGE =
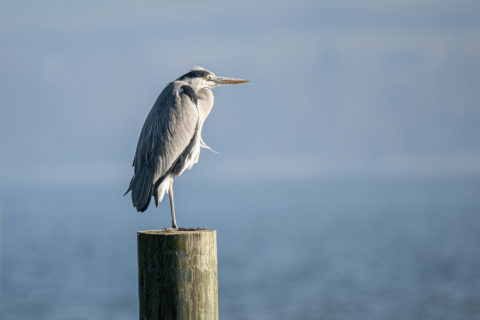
[(177, 275)]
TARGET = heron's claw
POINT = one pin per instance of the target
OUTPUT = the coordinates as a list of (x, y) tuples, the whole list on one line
[(183, 229), (170, 229)]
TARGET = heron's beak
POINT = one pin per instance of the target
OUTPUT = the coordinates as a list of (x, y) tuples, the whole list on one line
[(220, 81)]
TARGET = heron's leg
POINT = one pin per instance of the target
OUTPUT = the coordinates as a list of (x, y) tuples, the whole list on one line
[(172, 205)]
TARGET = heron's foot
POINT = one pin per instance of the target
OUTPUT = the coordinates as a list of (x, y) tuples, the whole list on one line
[(183, 229)]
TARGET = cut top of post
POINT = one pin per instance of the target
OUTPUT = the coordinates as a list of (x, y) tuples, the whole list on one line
[(168, 232)]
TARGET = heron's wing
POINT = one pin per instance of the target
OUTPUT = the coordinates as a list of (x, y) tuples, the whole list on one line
[(167, 131)]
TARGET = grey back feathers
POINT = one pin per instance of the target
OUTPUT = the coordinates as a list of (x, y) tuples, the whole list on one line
[(165, 143)]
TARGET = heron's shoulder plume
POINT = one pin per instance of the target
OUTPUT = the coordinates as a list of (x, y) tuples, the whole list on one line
[(206, 146)]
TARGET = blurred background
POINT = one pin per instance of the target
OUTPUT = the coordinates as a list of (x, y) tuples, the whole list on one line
[(349, 176)]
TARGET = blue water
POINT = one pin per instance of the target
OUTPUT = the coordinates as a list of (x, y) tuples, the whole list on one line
[(302, 249)]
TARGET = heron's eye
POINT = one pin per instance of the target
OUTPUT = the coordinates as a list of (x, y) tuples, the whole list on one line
[(205, 78)]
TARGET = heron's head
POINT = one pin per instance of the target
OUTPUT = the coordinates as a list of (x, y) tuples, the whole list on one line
[(199, 78)]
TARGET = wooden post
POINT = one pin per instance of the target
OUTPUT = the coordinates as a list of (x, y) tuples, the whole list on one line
[(177, 275)]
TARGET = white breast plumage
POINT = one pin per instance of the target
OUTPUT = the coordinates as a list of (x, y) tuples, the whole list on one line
[(192, 158)]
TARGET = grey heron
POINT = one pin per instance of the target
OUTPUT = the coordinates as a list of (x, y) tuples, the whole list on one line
[(171, 136)]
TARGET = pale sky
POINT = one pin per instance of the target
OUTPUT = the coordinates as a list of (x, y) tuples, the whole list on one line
[(337, 87)]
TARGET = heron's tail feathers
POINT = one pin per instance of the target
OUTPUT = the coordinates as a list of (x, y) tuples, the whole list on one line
[(142, 187)]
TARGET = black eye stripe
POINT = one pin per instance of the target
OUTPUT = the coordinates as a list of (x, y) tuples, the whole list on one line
[(194, 74)]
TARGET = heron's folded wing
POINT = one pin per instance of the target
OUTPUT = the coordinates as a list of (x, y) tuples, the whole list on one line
[(167, 131)]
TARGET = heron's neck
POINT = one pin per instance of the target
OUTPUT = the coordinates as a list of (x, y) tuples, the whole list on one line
[(196, 84), (205, 103)]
